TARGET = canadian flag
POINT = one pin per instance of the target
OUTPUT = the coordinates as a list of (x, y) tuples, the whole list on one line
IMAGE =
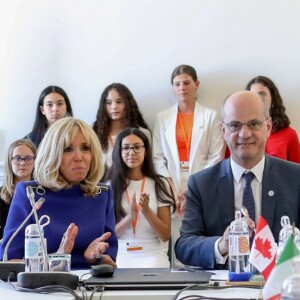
[(263, 251)]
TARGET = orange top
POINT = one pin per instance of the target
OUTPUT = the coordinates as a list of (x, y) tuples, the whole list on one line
[(184, 127)]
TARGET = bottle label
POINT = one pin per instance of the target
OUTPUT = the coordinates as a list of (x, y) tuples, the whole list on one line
[(33, 248), (239, 245)]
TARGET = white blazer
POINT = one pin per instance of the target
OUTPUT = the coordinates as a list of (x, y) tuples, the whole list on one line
[(207, 145)]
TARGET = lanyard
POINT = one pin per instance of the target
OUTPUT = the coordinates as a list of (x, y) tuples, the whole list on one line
[(187, 139), (134, 222)]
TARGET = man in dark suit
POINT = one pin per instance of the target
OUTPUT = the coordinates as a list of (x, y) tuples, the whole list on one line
[(215, 193)]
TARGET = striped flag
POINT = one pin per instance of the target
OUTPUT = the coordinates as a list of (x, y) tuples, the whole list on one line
[(282, 270), (263, 251)]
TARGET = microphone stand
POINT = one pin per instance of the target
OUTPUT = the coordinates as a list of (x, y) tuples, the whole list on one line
[(32, 280), (9, 270), (30, 195), (36, 207)]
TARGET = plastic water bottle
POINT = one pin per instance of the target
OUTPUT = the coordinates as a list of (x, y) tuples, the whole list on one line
[(291, 286), (33, 249), (284, 234), (239, 249)]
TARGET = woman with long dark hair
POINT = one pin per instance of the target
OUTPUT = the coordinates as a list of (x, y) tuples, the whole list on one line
[(142, 202), (117, 110), (53, 105), (283, 141)]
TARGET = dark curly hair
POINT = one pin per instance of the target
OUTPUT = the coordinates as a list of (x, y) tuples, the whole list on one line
[(119, 172), (277, 110), (132, 116)]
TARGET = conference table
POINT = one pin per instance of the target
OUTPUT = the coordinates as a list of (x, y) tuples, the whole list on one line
[(220, 277)]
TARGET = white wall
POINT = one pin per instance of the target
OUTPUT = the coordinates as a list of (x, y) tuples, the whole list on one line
[(84, 45)]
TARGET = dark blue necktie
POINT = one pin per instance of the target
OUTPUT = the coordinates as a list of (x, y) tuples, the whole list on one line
[(248, 199)]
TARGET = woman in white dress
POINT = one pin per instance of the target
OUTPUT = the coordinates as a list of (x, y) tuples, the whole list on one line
[(143, 201)]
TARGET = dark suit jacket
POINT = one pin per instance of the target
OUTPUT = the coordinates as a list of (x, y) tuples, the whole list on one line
[(210, 207)]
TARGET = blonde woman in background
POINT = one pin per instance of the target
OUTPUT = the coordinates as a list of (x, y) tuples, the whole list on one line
[(18, 167)]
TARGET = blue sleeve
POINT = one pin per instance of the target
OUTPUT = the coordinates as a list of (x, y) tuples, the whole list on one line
[(20, 208), (194, 247)]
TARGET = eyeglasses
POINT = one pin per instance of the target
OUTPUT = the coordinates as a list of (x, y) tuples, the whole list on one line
[(18, 159), (135, 148), (235, 126)]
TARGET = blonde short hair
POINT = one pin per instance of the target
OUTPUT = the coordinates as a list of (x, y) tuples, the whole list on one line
[(50, 153)]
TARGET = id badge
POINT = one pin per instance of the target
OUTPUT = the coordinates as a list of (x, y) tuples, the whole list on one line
[(134, 246), (184, 165)]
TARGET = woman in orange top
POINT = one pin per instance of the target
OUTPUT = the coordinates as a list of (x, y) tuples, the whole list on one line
[(186, 138)]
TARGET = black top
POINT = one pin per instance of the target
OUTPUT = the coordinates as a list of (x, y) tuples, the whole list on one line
[(4, 208), (35, 139)]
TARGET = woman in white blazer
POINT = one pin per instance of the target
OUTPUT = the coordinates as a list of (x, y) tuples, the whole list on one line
[(182, 148)]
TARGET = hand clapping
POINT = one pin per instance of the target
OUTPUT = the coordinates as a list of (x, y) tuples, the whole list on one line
[(94, 251), (144, 202), (180, 204)]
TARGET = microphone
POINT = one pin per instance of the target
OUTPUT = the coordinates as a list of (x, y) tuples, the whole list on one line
[(30, 196), (36, 207), (15, 271), (33, 280), (13, 268)]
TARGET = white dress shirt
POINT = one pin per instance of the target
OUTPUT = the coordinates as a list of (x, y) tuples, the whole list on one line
[(239, 183), (256, 185)]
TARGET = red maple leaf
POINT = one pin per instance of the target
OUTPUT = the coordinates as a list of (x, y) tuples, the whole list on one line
[(264, 248)]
